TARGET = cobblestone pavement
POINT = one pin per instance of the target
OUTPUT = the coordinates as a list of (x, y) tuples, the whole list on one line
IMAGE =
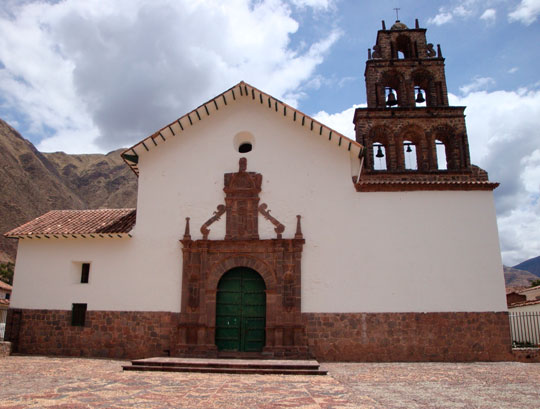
[(42, 382)]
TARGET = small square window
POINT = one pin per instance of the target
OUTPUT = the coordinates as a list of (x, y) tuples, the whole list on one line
[(8, 295), (78, 315), (85, 272)]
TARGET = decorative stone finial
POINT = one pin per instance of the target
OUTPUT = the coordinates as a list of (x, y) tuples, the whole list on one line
[(298, 234), (242, 165), (187, 236)]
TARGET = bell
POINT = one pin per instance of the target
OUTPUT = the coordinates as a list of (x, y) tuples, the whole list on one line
[(408, 149), (420, 97), (391, 101), (379, 154)]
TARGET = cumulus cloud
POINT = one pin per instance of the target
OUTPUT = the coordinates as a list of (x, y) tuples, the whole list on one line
[(477, 84), (315, 4), (442, 18), (93, 76), (339, 121), (489, 15), (526, 12), (464, 9)]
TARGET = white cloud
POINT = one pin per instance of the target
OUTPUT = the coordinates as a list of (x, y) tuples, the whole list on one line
[(477, 84), (465, 9), (513, 70), (316, 4), (490, 15), (526, 12), (441, 18), (461, 11), (339, 121), (103, 75)]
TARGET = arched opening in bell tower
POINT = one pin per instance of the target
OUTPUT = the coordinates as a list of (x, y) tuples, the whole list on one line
[(392, 83), (440, 149), (409, 152), (403, 47), (422, 81), (379, 156)]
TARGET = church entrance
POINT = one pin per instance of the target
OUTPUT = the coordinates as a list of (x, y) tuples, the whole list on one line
[(241, 311)]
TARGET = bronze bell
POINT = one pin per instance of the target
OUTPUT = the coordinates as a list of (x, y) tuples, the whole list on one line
[(380, 153), (409, 148), (391, 101), (420, 97)]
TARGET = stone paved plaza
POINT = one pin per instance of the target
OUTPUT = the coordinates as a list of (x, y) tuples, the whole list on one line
[(42, 382)]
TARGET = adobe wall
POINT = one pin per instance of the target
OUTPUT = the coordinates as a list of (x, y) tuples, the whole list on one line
[(415, 251)]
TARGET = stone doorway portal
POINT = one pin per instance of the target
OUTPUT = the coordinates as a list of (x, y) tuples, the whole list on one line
[(271, 266), (241, 311)]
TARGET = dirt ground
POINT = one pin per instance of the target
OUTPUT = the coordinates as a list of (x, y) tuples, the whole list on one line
[(44, 382)]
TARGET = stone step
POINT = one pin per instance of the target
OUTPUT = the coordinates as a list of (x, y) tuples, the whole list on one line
[(245, 366)]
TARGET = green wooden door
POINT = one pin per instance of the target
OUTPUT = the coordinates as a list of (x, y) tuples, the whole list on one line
[(241, 311)]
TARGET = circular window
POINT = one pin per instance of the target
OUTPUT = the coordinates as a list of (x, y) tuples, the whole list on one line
[(245, 147), (244, 142)]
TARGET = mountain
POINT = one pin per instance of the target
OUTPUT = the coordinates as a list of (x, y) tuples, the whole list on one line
[(101, 181), (32, 183), (531, 265), (517, 278)]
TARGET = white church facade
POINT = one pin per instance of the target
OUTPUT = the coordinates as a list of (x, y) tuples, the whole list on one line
[(259, 230)]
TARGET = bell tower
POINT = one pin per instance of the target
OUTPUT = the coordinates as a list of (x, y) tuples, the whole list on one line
[(414, 140)]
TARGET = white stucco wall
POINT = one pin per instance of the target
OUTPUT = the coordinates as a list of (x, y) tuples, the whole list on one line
[(525, 308), (531, 293), (364, 252)]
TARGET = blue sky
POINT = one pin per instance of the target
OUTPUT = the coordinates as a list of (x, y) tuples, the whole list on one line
[(86, 76)]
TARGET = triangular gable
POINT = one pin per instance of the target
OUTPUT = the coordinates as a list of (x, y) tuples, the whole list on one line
[(239, 91)]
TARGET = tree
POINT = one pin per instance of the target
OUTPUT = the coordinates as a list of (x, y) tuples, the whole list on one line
[(534, 283), (6, 272)]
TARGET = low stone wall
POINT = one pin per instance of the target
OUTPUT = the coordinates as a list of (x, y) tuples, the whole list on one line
[(526, 354), (5, 349), (408, 337), (114, 334)]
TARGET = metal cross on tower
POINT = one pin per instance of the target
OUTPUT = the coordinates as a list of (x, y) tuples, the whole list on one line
[(397, 15)]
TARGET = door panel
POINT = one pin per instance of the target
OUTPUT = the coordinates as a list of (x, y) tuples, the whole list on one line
[(241, 311)]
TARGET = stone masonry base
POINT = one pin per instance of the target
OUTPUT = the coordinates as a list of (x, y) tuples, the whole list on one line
[(5, 349), (407, 337), (112, 334)]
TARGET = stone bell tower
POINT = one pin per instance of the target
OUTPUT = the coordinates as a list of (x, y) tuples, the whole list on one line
[(414, 140)]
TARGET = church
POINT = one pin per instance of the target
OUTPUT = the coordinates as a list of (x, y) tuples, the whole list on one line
[(259, 231)]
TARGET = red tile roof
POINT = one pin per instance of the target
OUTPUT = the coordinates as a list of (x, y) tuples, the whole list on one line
[(524, 303), (78, 222), (524, 290), (5, 286), (403, 185), (515, 290)]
